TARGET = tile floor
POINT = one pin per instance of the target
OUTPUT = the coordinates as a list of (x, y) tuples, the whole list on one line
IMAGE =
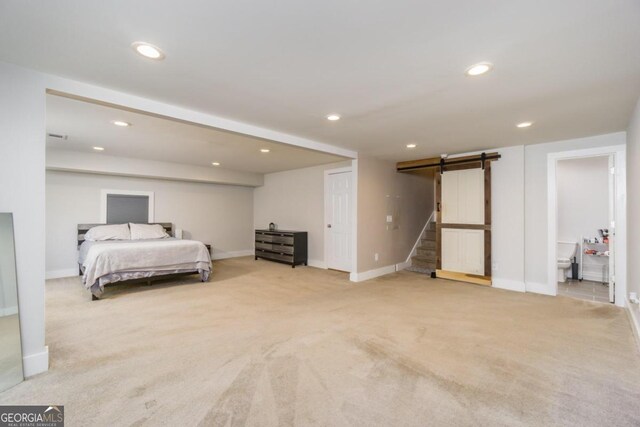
[(587, 290)]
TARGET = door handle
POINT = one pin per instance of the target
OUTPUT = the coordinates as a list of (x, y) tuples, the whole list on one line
[(328, 225)]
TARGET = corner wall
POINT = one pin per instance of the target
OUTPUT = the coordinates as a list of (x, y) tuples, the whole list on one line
[(407, 197), (633, 202), (294, 200), (22, 192)]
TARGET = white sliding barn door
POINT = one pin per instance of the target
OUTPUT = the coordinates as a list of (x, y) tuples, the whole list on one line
[(463, 197), (462, 222)]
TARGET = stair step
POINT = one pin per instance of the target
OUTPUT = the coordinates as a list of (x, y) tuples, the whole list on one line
[(428, 244), (427, 252), (420, 270), (423, 262), (429, 235), (431, 226)]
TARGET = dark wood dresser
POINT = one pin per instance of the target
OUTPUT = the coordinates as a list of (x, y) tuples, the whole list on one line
[(289, 247)]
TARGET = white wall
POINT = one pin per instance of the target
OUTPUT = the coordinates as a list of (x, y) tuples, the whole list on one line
[(22, 148), (507, 222), (583, 205), (8, 287), (633, 202), (536, 203), (295, 201), (221, 215)]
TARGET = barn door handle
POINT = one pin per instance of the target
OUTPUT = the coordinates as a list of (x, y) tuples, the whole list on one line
[(328, 225), (438, 209)]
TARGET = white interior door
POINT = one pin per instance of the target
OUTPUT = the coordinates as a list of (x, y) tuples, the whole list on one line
[(463, 250), (338, 211), (612, 228), (462, 204), (463, 197)]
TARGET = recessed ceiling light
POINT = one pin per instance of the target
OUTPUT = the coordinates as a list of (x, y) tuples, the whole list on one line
[(411, 145), (121, 123), (524, 124), (478, 69), (333, 117), (215, 163), (148, 50), (98, 148), (264, 150)]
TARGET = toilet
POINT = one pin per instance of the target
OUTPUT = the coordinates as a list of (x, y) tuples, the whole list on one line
[(566, 252)]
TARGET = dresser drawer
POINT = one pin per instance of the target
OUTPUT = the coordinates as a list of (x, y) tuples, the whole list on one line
[(287, 240), (274, 247), (271, 255), (264, 237), (275, 238)]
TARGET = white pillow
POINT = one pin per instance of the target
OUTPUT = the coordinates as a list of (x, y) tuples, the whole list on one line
[(147, 231), (108, 232)]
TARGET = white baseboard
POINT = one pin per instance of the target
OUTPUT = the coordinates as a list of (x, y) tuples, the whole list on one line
[(65, 272), (633, 310), (371, 274), (33, 364), (508, 284), (539, 288), (232, 254), (403, 265), (317, 264), (8, 311)]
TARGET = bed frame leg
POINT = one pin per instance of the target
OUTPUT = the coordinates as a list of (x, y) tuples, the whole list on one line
[(94, 298)]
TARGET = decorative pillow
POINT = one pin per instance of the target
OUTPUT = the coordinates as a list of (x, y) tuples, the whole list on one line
[(147, 231), (108, 232)]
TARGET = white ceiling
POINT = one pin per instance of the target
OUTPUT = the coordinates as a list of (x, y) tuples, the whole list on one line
[(87, 125), (393, 69)]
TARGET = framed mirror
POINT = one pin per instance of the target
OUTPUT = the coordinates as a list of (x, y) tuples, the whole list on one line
[(10, 346)]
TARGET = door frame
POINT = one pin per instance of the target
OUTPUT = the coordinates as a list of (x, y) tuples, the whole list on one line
[(620, 199), (353, 213)]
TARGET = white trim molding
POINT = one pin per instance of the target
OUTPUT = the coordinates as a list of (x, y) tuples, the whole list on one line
[(33, 364), (620, 199), (317, 263), (105, 193), (633, 310), (217, 255), (539, 288), (9, 311), (508, 284), (65, 272), (372, 274)]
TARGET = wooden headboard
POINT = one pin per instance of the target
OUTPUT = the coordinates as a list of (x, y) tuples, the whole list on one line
[(83, 228)]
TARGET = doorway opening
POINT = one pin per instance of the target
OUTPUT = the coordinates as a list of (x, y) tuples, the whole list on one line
[(586, 224)]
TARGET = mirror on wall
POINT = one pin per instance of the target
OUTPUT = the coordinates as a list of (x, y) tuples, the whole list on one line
[(10, 346)]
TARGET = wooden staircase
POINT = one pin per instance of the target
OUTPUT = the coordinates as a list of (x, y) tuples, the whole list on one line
[(425, 259)]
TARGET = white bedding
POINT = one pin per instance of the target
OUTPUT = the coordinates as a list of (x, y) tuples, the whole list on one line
[(109, 262)]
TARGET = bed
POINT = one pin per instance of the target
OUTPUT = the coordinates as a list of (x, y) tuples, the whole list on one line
[(115, 261)]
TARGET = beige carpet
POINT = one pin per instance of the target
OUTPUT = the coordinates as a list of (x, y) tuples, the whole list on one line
[(264, 344)]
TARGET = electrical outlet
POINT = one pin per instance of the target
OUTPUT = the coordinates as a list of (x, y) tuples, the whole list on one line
[(389, 218), (375, 257)]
